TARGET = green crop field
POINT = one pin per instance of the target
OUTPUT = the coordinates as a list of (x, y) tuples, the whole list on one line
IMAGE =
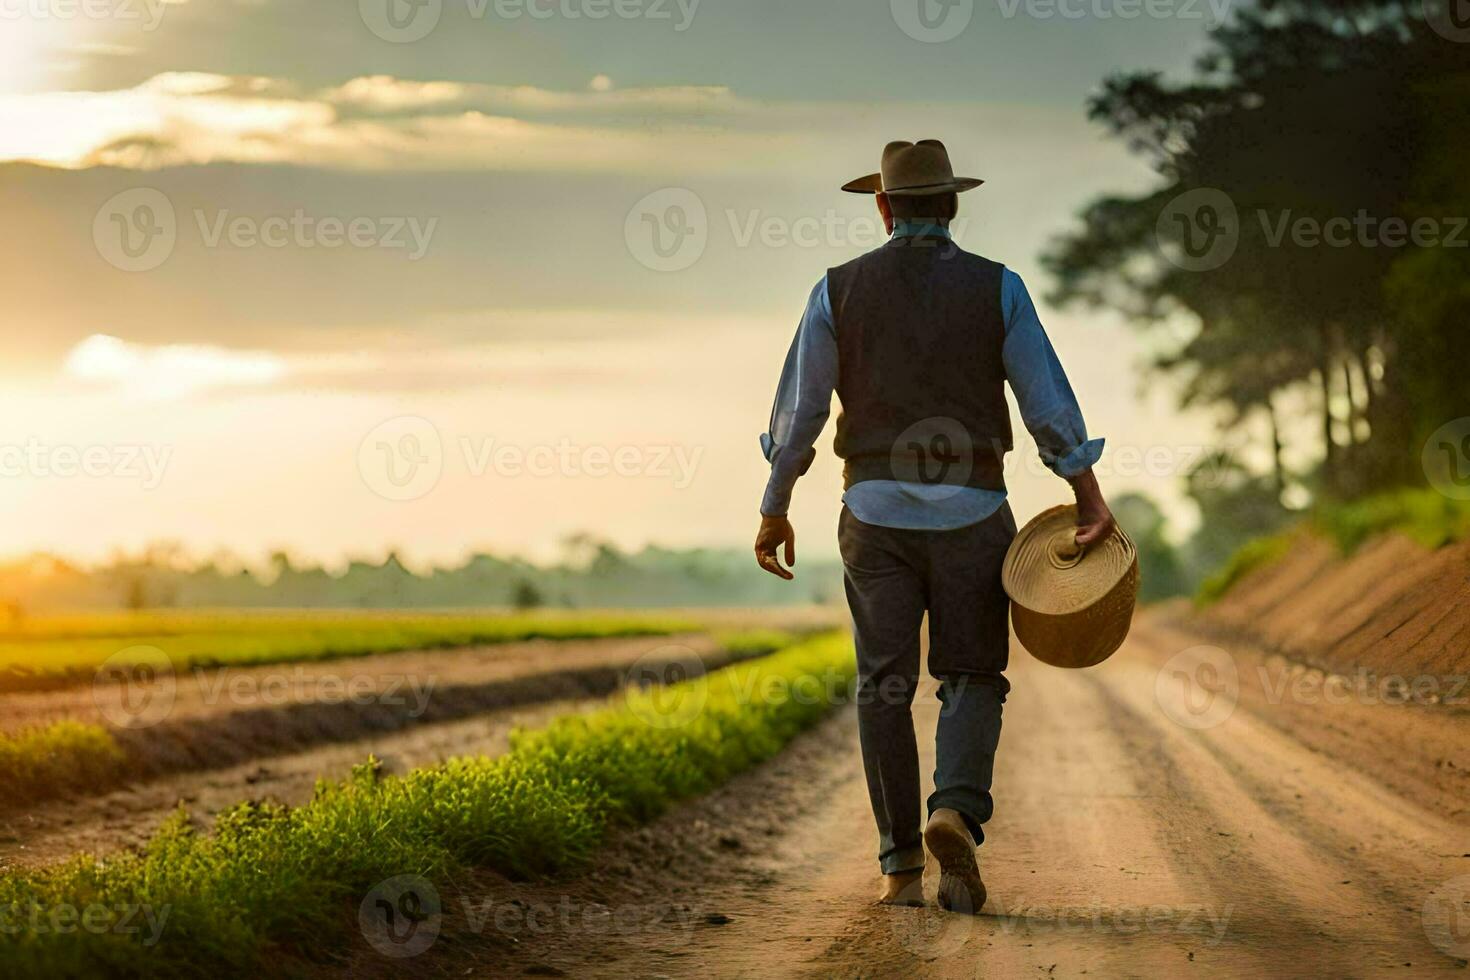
[(273, 878), (50, 650)]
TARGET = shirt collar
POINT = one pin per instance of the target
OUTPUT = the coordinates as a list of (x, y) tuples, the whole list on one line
[(912, 227)]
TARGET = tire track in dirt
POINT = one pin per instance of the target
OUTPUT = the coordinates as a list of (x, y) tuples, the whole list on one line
[(1362, 861)]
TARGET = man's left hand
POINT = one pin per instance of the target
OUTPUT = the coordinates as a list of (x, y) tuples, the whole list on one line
[(775, 532)]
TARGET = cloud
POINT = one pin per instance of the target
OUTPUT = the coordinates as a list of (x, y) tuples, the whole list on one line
[(182, 118), (167, 372), (384, 94), (186, 117), (381, 123), (533, 348)]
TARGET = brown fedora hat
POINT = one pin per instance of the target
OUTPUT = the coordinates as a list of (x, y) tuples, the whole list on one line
[(913, 168)]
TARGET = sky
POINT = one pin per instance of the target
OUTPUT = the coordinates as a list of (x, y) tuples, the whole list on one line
[(451, 275)]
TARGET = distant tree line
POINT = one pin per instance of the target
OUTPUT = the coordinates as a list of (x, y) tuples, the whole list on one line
[(591, 574)]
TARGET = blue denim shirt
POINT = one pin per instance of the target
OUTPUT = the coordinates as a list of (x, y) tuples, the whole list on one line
[(804, 400)]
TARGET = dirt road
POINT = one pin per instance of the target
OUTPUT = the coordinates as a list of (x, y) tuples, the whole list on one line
[(1142, 828)]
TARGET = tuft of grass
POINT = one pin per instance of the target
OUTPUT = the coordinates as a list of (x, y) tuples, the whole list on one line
[(1424, 515), (273, 879), (62, 757), (1254, 554)]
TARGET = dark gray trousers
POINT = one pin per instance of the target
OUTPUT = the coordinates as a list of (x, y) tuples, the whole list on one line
[(893, 577)]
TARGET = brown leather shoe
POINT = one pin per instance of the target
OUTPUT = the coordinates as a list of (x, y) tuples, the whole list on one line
[(904, 888), (950, 841)]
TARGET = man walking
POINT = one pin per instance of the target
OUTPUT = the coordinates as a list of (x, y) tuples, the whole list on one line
[(918, 337)]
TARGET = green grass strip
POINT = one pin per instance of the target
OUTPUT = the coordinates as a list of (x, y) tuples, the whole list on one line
[(274, 879), (63, 757), (1423, 515), (33, 659)]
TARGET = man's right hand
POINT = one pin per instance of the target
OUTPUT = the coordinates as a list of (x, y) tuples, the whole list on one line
[(1094, 520), (775, 532)]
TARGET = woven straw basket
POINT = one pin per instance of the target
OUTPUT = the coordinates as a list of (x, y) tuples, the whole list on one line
[(1070, 607)]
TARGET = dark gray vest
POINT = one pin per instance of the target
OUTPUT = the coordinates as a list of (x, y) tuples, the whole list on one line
[(920, 332)]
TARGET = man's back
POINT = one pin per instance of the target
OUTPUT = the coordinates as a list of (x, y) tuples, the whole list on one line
[(920, 337)]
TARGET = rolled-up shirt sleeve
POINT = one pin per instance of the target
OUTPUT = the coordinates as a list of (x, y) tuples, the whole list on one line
[(1043, 393), (803, 402)]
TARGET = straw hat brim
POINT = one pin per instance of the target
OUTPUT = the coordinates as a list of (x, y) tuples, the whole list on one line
[(1070, 607), (873, 184)]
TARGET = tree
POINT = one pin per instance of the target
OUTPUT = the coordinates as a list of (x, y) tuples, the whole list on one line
[(1303, 114), (526, 596)]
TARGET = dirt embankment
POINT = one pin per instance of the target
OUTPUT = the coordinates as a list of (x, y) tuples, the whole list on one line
[(1392, 608)]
